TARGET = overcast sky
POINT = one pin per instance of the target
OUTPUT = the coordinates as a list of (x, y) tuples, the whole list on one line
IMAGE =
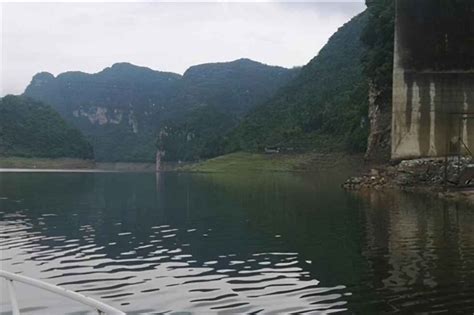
[(58, 37)]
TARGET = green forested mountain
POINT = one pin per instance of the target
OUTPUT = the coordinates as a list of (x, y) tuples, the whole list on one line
[(117, 109), (30, 128), (122, 109), (120, 85), (378, 39), (217, 96), (233, 86), (199, 133), (324, 107)]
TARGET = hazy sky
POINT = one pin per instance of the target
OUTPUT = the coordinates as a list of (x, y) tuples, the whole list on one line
[(171, 36)]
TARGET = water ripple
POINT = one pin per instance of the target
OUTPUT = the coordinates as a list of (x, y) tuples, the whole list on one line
[(167, 249)]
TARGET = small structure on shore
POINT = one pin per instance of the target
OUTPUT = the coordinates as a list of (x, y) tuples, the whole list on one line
[(433, 79), (271, 150)]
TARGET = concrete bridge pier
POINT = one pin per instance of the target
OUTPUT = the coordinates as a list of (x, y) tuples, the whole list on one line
[(433, 79)]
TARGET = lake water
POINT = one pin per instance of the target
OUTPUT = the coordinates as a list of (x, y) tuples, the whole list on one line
[(262, 243)]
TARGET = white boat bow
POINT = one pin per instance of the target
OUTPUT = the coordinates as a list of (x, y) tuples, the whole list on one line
[(100, 307)]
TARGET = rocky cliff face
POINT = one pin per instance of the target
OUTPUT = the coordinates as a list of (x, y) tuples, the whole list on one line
[(378, 38), (380, 118)]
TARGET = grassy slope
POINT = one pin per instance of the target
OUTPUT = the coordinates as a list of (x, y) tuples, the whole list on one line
[(252, 162)]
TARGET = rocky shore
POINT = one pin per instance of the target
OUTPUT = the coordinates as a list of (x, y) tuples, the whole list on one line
[(451, 178)]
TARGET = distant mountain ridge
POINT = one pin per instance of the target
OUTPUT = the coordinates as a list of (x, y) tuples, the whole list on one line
[(122, 108), (259, 82), (66, 90)]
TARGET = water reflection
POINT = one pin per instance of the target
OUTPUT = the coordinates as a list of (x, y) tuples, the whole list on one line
[(235, 243), (421, 252)]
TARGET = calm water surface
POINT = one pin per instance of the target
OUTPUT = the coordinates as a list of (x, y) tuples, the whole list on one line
[(263, 243)]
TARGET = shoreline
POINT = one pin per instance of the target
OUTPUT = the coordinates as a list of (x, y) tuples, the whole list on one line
[(277, 162), (450, 179), (421, 176), (20, 164), (229, 163), (45, 163)]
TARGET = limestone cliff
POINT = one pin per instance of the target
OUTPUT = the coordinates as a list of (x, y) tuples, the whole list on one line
[(380, 117)]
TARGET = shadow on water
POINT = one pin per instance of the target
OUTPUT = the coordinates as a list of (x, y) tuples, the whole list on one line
[(238, 243)]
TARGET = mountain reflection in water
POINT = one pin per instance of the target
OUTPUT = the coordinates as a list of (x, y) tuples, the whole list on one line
[(269, 242)]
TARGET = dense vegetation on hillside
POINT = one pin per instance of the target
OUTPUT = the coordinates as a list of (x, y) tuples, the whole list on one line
[(199, 134), (325, 107), (378, 39), (233, 86), (30, 128), (218, 96), (122, 109)]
